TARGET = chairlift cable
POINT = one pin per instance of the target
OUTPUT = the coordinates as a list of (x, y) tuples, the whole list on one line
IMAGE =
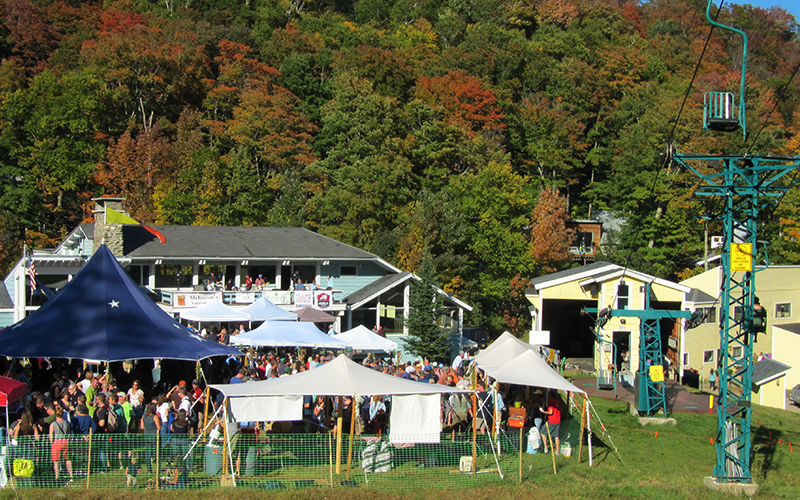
[(774, 105), (667, 158)]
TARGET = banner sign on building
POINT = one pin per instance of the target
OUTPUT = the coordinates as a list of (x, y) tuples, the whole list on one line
[(190, 300), (323, 299), (304, 298)]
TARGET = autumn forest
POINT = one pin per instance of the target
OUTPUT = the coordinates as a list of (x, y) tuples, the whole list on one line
[(461, 131)]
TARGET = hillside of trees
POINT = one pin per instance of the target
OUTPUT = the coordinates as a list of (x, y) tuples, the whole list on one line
[(468, 129)]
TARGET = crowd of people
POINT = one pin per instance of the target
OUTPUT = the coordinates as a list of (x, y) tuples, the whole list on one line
[(125, 425)]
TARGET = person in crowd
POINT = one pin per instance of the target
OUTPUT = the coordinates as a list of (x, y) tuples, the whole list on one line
[(151, 427), (224, 337), (132, 470), (299, 286), (377, 414), (86, 381), (59, 441), (483, 416), (553, 425), (101, 420), (60, 385), (239, 377), (82, 423), (180, 440), (127, 410), (163, 410), (73, 393), (329, 286), (26, 433), (136, 399), (317, 420)]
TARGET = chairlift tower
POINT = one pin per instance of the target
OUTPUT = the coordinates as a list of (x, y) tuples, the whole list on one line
[(650, 396), (745, 184)]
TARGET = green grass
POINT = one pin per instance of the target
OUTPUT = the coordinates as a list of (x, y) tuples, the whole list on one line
[(670, 466)]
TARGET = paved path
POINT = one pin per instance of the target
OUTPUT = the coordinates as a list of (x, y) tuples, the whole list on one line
[(679, 400)]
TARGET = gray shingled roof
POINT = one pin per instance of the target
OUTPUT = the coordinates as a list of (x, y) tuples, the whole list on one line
[(789, 327), (569, 272), (700, 297), (88, 229), (5, 298), (382, 283), (236, 242), (768, 369)]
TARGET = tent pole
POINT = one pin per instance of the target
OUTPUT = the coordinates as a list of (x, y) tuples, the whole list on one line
[(474, 432), (228, 438), (583, 426), (330, 456), (521, 433), (158, 449), (205, 412), (352, 428), (339, 423), (552, 449), (89, 460), (589, 431), (225, 442)]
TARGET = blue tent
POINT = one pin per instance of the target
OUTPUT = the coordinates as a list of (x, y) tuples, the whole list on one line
[(103, 315), (286, 334)]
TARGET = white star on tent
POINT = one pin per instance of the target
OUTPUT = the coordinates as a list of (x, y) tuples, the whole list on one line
[(113, 304)]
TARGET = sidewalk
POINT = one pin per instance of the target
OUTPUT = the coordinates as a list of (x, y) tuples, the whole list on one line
[(679, 400)]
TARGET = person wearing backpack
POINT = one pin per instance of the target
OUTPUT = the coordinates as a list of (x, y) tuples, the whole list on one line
[(117, 422)]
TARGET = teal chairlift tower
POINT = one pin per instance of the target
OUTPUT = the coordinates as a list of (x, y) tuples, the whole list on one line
[(745, 184), (650, 397)]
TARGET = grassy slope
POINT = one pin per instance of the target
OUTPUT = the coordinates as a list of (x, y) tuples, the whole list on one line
[(670, 467)]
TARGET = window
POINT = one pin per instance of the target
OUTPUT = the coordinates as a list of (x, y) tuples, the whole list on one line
[(783, 310), (709, 314), (686, 359), (708, 356), (736, 352), (348, 270), (737, 313), (622, 295)]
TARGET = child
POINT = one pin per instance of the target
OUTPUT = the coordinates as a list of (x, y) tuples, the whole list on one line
[(132, 470)]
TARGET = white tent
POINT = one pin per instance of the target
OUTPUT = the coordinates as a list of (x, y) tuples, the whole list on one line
[(415, 407), (263, 310), (362, 338), (501, 351), (215, 311), (511, 361), (530, 369), (287, 334)]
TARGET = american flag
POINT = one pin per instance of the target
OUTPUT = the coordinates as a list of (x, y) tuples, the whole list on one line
[(32, 274)]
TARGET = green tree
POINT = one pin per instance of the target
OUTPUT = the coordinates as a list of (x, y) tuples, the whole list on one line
[(425, 337)]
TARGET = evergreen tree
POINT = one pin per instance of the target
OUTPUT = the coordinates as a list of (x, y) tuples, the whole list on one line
[(425, 338)]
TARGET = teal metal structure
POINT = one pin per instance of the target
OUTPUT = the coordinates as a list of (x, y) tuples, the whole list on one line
[(651, 397), (746, 184)]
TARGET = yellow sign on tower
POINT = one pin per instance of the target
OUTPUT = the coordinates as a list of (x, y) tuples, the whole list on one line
[(741, 257)]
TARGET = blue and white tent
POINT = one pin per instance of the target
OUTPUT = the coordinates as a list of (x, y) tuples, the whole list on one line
[(103, 315)]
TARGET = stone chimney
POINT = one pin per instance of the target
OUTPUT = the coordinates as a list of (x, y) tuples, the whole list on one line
[(110, 234)]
